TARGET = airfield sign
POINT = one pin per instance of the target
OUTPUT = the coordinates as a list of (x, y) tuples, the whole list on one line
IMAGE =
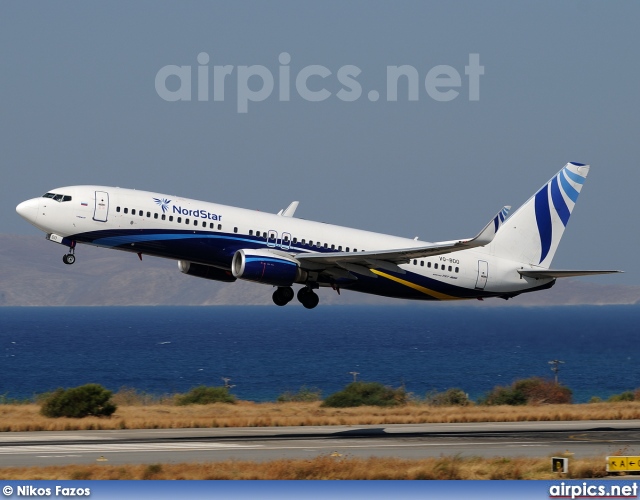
[(618, 464)]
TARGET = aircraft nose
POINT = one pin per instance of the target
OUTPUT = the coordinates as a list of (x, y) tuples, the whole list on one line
[(28, 209)]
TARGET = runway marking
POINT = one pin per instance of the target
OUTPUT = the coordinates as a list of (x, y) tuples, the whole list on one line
[(120, 448), (60, 450)]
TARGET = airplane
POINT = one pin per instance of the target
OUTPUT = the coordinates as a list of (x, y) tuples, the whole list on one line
[(511, 255)]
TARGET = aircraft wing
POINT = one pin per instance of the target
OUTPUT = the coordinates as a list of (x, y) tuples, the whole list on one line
[(560, 273), (362, 262)]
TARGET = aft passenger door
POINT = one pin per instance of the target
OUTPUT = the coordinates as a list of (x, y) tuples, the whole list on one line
[(101, 210), (483, 274)]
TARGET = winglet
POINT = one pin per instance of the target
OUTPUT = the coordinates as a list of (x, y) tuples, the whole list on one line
[(290, 210), (485, 236)]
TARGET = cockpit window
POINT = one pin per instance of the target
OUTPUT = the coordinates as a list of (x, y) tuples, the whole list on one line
[(57, 197)]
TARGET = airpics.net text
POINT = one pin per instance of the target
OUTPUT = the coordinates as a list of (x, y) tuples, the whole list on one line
[(256, 83)]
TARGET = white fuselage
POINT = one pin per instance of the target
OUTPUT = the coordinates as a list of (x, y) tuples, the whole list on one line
[(210, 234)]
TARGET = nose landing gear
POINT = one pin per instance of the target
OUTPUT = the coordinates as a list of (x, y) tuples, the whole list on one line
[(70, 257)]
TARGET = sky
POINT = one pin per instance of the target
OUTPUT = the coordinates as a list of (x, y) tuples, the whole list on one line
[(496, 97)]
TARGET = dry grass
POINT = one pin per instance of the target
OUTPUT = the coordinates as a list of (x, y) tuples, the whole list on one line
[(247, 414), (323, 467)]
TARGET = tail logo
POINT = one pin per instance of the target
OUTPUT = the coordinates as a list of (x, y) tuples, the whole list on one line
[(562, 192), (500, 218)]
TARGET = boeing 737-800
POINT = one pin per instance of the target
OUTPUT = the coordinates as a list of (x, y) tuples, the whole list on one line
[(509, 256)]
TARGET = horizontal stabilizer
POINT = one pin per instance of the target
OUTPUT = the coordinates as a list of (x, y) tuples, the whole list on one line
[(559, 273)]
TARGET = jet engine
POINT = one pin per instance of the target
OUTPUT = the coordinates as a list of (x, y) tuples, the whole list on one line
[(206, 272), (266, 266)]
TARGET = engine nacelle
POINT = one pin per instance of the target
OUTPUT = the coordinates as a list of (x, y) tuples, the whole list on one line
[(267, 266), (206, 272)]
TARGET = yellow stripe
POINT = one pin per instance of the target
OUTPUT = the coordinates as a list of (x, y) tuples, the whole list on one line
[(426, 291)]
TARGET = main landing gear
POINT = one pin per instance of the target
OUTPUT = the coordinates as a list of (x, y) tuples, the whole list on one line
[(307, 297), (283, 295)]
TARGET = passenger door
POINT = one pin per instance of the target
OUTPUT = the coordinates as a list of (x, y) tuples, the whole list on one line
[(483, 274), (101, 210)]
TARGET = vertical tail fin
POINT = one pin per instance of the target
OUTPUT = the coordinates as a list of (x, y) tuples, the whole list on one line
[(532, 234)]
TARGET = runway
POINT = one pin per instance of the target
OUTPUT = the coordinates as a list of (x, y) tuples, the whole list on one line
[(528, 439)]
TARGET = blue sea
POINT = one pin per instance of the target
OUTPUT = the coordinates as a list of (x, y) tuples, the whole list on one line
[(266, 350)]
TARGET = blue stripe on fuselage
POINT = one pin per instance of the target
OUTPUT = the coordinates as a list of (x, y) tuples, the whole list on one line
[(218, 249)]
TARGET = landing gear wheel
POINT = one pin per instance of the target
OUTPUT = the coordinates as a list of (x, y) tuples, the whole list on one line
[(283, 295), (308, 298), (69, 258)]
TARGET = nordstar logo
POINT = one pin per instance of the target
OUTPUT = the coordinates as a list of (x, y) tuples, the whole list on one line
[(203, 214), (164, 203)]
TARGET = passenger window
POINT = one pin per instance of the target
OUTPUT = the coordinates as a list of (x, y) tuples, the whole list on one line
[(457, 269), (435, 266), (422, 263), (164, 217), (449, 268), (210, 225), (171, 218), (149, 214), (346, 249), (117, 209), (310, 243), (140, 213), (428, 264), (133, 211), (333, 247), (155, 216), (179, 220), (250, 232), (219, 227), (415, 262), (295, 240), (235, 229), (325, 245), (186, 221), (355, 249)]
